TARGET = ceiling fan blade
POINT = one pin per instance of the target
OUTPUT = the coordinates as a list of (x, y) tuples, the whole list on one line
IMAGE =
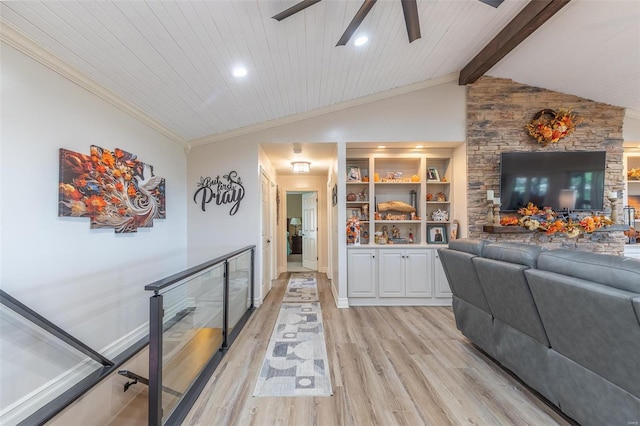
[(356, 21), (494, 3), (294, 9), (410, 9)]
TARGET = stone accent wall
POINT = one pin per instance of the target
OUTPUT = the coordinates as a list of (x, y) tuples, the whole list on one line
[(497, 113)]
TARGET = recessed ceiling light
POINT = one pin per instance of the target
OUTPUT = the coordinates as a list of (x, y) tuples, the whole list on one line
[(382, 146), (361, 40), (239, 71), (419, 146)]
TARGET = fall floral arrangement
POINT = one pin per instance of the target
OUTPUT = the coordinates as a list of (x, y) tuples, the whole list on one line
[(634, 174), (549, 126), (353, 230), (546, 219)]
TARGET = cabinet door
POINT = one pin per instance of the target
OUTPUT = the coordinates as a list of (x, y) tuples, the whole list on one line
[(391, 273), (440, 279), (361, 275), (419, 273)]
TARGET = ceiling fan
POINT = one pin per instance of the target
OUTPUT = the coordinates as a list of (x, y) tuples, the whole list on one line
[(409, 8)]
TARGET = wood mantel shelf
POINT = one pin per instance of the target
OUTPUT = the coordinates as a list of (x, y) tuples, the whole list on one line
[(499, 229)]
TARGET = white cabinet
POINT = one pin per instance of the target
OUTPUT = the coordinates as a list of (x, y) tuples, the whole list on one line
[(440, 279), (405, 273), (396, 276), (361, 276)]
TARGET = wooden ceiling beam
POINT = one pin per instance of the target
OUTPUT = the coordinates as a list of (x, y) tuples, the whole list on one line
[(534, 14)]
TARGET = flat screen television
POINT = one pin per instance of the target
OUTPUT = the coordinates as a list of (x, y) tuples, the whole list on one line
[(560, 180)]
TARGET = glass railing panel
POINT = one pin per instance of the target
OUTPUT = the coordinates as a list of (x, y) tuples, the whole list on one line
[(239, 288), (193, 322), (36, 367)]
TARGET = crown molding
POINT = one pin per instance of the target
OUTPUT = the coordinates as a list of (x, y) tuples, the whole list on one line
[(324, 110), (29, 47)]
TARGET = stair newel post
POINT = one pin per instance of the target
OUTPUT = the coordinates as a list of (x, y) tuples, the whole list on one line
[(155, 359)]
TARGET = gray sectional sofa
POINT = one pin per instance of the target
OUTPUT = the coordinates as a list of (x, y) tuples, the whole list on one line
[(567, 323)]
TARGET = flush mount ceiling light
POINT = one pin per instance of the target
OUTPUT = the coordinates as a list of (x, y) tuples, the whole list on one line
[(301, 167)]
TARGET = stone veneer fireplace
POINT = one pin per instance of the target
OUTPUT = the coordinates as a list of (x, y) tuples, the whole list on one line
[(497, 112)]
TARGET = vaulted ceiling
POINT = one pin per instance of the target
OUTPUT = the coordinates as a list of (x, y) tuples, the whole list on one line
[(173, 60)]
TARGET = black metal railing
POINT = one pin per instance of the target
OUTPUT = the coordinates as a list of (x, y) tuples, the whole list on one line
[(242, 277), (49, 410), (218, 298)]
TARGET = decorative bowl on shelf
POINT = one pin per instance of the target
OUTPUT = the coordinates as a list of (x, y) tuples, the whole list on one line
[(440, 215)]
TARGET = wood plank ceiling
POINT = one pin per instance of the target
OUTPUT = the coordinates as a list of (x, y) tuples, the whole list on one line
[(173, 59)]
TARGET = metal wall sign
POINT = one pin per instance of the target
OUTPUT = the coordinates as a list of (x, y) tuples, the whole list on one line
[(222, 191)]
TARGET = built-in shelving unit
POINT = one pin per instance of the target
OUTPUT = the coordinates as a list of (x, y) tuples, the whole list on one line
[(405, 206), (376, 181), (632, 197)]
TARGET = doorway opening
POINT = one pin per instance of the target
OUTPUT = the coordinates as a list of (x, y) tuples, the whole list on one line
[(302, 231)]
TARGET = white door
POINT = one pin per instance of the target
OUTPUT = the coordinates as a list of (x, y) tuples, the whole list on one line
[(310, 230), (266, 235)]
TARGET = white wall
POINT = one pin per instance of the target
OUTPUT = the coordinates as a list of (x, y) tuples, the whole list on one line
[(631, 126), (89, 282), (215, 227)]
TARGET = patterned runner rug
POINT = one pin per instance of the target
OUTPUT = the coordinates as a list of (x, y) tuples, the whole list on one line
[(301, 288), (296, 360)]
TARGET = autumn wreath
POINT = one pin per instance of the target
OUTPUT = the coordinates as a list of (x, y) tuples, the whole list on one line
[(549, 126)]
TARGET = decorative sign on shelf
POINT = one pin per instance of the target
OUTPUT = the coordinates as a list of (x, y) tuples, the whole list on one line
[(112, 188), (228, 190)]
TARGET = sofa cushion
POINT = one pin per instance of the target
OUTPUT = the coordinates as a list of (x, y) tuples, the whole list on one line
[(615, 271), (476, 324), (462, 277), (593, 324), (588, 398), (522, 254), (468, 245), (509, 296)]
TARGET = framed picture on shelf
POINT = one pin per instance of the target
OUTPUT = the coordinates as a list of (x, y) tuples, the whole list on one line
[(354, 212), (353, 174), (437, 234), (432, 175), (453, 232)]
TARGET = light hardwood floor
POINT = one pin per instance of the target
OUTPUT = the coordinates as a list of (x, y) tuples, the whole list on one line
[(389, 366)]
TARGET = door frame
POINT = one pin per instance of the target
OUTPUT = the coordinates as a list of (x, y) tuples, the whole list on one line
[(269, 257), (322, 213)]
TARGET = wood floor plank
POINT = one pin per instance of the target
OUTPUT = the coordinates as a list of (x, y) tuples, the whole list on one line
[(389, 366)]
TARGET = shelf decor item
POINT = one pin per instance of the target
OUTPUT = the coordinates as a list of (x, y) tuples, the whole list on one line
[(549, 126), (440, 215), (353, 230), (437, 234), (353, 174), (432, 175)]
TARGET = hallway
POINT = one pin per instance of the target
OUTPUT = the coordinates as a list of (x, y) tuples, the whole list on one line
[(294, 264), (389, 366)]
